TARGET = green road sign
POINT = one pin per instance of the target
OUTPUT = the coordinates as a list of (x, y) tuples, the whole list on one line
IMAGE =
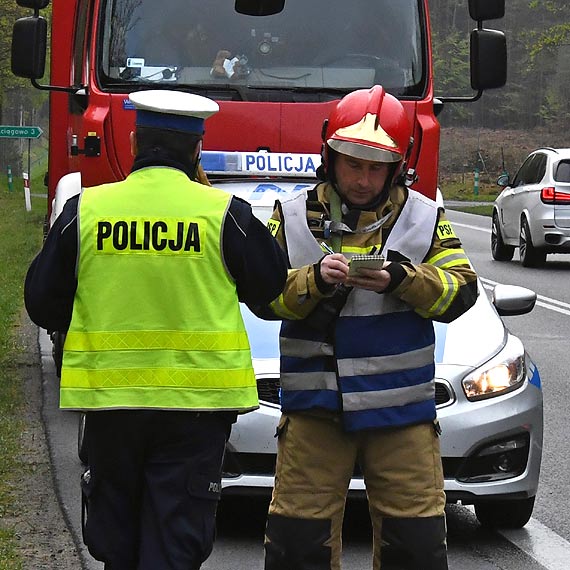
[(15, 132)]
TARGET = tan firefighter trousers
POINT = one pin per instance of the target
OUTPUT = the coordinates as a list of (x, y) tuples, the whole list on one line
[(403, 476)]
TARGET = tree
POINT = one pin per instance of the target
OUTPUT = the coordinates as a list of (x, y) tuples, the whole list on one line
[(538, 45), (9, 13), (18, 99)]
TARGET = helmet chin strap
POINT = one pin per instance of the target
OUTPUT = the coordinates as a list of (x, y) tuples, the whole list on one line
[(336, 227), (197, 161), (406, 176)]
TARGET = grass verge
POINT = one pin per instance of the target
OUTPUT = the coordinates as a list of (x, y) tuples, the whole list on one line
[(486, 210), (455, 190), (20, 239)]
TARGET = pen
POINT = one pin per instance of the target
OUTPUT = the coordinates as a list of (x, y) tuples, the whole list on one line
[(326, 247)]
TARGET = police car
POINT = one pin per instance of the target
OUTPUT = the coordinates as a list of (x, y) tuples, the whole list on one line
[(488, 389)]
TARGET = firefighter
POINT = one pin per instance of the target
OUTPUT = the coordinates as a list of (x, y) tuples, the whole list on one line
[(146, 275), (357, 353)]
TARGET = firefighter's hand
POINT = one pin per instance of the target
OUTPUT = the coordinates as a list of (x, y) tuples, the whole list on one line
[(334, 268), (371, 279)]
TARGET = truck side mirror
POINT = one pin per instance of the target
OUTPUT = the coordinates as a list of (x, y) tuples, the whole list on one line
[(259, 7), (486, 9), (488, 59), (29, 47)]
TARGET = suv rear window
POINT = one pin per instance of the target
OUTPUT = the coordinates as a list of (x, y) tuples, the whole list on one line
[(532, 171), (562, 173)]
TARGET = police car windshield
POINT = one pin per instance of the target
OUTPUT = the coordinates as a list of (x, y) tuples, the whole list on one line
[(321, 44)]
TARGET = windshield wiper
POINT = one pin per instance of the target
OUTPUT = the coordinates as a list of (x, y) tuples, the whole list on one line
[(224, 91), (305, 89), (306, 94)]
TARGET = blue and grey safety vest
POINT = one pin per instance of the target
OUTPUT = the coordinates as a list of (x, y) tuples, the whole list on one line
[(379, 369)]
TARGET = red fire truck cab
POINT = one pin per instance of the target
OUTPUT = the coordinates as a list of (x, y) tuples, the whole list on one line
[(276, 68)]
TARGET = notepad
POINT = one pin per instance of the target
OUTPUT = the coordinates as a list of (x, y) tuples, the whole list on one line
[(358, 262)]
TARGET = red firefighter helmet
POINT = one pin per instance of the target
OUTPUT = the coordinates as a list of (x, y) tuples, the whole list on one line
[(369, 124)]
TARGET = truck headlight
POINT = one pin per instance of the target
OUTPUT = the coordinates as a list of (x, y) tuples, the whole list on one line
[(504, 373)]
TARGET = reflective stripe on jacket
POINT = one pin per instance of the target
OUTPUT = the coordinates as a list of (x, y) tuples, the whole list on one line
[(380, 370), (156, 320)]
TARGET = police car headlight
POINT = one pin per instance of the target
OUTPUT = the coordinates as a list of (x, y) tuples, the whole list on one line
[(504, 373)]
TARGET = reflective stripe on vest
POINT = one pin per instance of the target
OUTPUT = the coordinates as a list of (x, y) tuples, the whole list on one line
[(384, 366), (156, 320)]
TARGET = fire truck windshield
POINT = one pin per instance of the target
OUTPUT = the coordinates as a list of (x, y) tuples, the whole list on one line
[(309, 48)]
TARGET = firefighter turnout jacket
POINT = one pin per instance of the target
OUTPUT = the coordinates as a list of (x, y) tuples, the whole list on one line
[(373, 362)]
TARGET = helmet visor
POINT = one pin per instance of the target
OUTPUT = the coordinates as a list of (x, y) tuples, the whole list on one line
[(363, 151)]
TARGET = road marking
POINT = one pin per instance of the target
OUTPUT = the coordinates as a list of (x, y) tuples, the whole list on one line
[(539, 542), (545, 546), (542, 544), (486, 230), (542, 301)]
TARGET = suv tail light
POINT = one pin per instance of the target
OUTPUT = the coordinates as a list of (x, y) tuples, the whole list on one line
[(549, 195)]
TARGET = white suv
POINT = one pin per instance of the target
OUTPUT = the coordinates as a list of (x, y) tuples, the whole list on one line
[(533, 210)]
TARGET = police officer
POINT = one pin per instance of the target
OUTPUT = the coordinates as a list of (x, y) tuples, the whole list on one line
[(357, 352), (146, 275)]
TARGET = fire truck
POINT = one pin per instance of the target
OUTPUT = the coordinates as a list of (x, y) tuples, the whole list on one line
[(276, 68)]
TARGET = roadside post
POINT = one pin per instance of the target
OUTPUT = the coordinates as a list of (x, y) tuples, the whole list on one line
[(10, 179), (476, 182), (27, 194)]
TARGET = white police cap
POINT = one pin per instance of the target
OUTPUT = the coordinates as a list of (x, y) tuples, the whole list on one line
[(174, 110)]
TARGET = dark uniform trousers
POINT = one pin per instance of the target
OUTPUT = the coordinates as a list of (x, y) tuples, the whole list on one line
[(153, 487)]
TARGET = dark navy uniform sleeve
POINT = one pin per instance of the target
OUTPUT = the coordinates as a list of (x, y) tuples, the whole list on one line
[(253, 257), (51, 282)]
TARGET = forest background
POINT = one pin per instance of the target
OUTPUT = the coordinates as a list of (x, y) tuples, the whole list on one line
[(491, 135)]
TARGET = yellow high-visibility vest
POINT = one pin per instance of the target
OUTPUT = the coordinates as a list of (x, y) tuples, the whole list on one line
[(156, 321)]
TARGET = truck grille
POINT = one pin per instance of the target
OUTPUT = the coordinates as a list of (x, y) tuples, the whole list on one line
[(268, 391)]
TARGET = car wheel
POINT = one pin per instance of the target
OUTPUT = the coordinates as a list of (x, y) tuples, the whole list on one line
[(499, 250), (530, 255), (504, 514), (81, 443)]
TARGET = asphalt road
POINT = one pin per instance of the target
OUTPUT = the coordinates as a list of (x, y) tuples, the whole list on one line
[(545, 333), (542, 544)]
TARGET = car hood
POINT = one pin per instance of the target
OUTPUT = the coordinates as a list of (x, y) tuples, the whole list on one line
[(467, 342), (473, 338)]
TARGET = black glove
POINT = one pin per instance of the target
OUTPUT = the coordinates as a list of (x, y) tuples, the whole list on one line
[(328, 310)]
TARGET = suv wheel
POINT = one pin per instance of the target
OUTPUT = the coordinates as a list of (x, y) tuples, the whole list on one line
[(499, 250), (530, 255), (504, 514)]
